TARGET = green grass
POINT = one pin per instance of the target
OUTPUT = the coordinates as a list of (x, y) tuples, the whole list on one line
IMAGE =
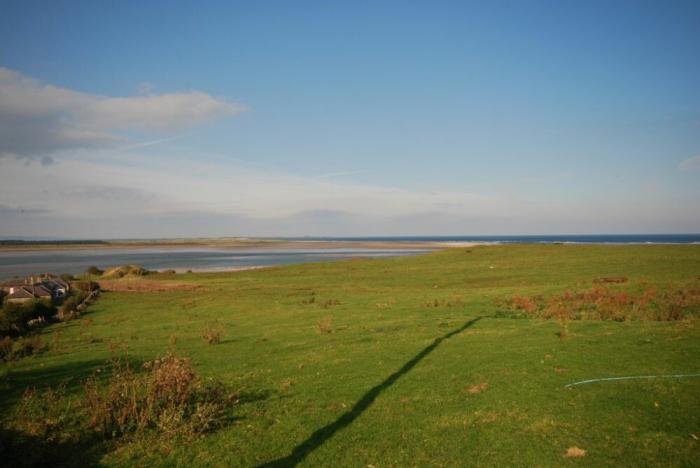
[(389, 385)]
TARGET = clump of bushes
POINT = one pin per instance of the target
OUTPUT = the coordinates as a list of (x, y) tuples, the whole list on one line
[(168, 397), (74, 304), (25, 346), (29, 345), (93, 270), (602, 303), (15, 317)]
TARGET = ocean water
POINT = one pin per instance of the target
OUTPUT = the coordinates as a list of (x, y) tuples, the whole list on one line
[(23, 263), (535, 239)]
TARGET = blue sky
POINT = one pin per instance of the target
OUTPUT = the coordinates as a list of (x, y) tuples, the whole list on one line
[(352, 118)]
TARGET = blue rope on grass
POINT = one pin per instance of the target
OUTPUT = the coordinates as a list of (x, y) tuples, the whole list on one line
[(607, 379)]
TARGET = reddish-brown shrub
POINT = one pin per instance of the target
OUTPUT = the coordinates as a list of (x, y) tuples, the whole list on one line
[(525, 304), (611, 279), (600, 303)]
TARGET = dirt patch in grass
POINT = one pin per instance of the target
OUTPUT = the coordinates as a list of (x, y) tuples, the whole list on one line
[(146, 286), (575, 452), (478, 388)]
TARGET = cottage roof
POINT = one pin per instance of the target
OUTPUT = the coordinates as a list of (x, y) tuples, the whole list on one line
[(40, 290), (61, 282), (51, 284), (29, 292), (21, 293), (13, 283)]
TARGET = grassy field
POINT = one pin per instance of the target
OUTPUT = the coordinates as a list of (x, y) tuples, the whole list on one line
[(402, 362)]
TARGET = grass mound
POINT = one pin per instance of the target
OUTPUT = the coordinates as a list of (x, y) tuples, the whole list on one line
[(125, 271)]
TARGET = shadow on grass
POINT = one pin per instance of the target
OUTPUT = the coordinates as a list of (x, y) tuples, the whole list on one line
[(319, 437), (69, 448), (22, 450), (72, 375)]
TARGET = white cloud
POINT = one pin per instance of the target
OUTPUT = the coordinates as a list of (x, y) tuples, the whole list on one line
[(37, 119), (105, 195), (691, 164), (227, 190)]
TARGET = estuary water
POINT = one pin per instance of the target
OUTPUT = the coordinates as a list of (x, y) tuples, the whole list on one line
[(23, 263)]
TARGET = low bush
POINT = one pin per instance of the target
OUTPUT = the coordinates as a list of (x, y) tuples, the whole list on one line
[(67, 277), (28, 345), (46, 413), (212, 334), (325, 325), (311, 299), (71, 303), (93, 270), (330, 303), (168, 397), (6, 348)]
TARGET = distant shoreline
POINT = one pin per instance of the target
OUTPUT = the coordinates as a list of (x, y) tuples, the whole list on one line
[(238, 245), (385, 243)]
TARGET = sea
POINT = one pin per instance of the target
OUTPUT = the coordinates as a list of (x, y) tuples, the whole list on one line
[(533, 239), (73, 261)]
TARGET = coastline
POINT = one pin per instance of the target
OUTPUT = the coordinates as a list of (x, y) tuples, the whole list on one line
[(323, 243), (242, 245)]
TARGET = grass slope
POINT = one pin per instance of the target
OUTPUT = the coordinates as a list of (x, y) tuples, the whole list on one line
[(399, 381)]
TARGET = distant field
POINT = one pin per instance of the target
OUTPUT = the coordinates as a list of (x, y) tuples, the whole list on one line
[(406, 361)]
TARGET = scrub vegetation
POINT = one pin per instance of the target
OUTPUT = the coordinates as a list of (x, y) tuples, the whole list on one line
[(458, 357)]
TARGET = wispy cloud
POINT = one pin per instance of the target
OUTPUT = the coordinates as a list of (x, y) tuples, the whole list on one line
[(691, 164), (38, 119), (144, 144)]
